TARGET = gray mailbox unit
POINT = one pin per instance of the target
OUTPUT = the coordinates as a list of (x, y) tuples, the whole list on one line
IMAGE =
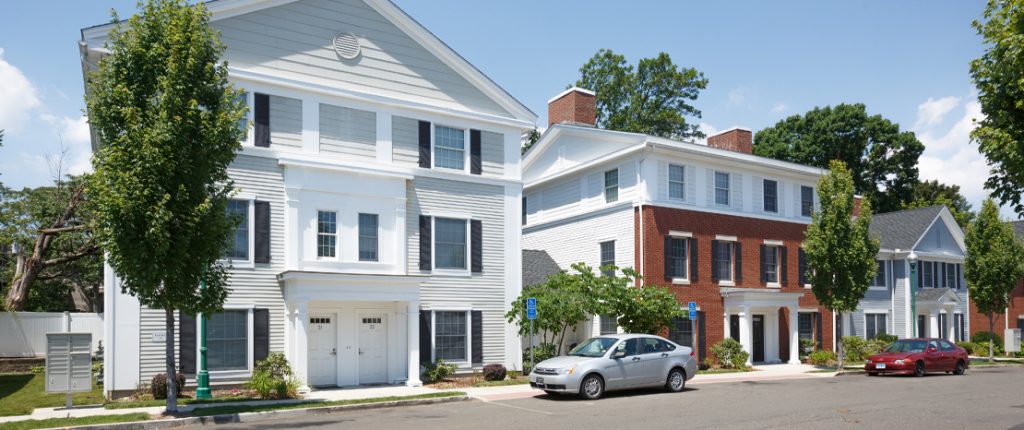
[(68, 363)]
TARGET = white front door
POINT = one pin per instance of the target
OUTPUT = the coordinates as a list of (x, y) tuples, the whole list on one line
[(323, 350), (373, 349)]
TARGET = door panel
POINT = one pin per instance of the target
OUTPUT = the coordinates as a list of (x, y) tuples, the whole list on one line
[(655, 360), (758, 338), (323, 352), (627, 371), (373, 349)]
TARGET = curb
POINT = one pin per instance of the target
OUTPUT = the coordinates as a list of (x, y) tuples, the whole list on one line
[(251, 417)]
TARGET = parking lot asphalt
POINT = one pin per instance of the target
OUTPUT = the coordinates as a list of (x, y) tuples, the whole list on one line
[(991, 398)]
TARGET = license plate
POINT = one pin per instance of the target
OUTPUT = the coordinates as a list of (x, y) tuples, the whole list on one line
[(540, 381), (879, 365)]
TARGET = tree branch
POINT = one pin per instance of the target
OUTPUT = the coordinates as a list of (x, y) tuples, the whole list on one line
[(59, 230), (83, 252)]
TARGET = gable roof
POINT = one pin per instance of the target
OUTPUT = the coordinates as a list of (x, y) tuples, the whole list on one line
[(938, 295), (222, 9), (902, 229), (537, 267), (1018, 229)]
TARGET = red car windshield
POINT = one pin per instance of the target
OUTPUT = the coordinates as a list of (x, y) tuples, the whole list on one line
[(907, 346)]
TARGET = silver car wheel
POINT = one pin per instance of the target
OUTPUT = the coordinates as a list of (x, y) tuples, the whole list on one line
[(592, 387), (676, 380)]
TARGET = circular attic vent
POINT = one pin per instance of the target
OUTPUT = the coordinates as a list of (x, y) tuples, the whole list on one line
[(346, 45)]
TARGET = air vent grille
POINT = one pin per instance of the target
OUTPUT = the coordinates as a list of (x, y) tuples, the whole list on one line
[(346, 45)]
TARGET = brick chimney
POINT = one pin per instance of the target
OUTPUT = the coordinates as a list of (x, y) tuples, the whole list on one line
[(856, 205), (735, 139), (576, 106)]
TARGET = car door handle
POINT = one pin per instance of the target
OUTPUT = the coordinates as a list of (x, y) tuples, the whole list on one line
[(636, 358), (664, 354)]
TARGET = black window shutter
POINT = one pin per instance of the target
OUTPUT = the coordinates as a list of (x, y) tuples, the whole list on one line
[(475, 166), (738, 249), (668, 258), (818, 324), (764, 264), (187, 338), (261, 118), (784, 266), (714, 260), (476, 251), (920, 277), (702, 337), (959, 281), (425, 232), (262, 233), (261, 334), (425, 144), (477, 332), (693, 259), (802, 266), (425, 348), (942, 276)]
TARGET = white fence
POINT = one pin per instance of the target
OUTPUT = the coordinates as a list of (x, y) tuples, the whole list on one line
[(23, 334)]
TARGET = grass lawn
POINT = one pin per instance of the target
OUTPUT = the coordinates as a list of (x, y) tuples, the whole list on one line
[(986, 363), (22, 392), (127, 404), (70, 422), (237, 409), (516, 381), (719, 371)]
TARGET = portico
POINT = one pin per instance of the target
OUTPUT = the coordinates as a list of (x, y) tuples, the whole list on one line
[(753, 317), (936, 307)]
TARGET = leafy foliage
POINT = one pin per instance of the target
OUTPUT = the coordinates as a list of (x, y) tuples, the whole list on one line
[(158, 385), (494, 372), (653, 99), (933, 192), (730, 354), (640, 308), (439, 371), (884, 157), (999, 77), (994, 262), (167, 120), (272, 378), (857, 349), (806, 347), (529, 139), (822, 357), (541, 352)]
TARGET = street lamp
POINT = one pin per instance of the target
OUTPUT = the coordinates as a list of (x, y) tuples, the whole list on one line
[(912, 259), (202, 377)]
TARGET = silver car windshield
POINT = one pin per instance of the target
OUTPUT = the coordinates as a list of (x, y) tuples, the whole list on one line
[(593, 347)]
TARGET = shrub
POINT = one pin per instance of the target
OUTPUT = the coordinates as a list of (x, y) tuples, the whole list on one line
[(272, 378), (494, 372), (981, 338), (706, 364), (730, 354), (158, 386), (541, 352), (888, 338), (439, 371), (877, 345), (855, 348), (822, 357), (969, 346), (806, 347), (38, 370)]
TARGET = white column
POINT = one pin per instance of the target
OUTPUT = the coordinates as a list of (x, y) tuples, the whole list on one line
[(933, 323), (728, 329), (950, 324), (794, 335), (413, 366), (745, 330), (301, 362)]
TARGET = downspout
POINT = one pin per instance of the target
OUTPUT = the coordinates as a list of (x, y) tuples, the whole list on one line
[(640, 236)]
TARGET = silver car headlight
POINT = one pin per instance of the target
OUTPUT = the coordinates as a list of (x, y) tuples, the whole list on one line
[(566, 370)]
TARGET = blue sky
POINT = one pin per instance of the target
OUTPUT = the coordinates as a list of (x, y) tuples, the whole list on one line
[(907, 61)]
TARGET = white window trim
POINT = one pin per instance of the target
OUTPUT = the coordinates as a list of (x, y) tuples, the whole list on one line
[(433, 248), (776, 245), (670, 181), (764, 188), (885, 274), (683, 235), (715, 188), (732, 261), (250, 335), (337, 236), (248, 263), (604, 186), (600, 256), (677, 233), (465, 148), (875, 312), (800, 210), (468, 362)]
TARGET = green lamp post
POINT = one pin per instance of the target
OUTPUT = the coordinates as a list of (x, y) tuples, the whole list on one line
[(203, 377), (912, 259)]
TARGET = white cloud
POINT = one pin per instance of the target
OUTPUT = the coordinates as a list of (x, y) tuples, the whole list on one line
[(74, 140), (779, 108), (933, 111), (739, 97), (18, 98), (708, 130)]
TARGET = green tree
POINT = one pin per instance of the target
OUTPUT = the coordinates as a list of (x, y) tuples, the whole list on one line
[(167, 120), (933, 192), (564, 301), (884, 157), (999, 76), (994, 263), (529, 140), (653, 99), (639, 308), (840, 250)]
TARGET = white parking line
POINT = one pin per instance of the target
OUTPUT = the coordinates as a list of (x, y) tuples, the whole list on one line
[(519, 407)]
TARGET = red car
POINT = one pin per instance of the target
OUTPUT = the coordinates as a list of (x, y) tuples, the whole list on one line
[(918, 357)]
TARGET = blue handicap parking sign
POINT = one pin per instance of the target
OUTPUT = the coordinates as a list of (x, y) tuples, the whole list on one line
[(693, 315), (692, 306), (531, 308)]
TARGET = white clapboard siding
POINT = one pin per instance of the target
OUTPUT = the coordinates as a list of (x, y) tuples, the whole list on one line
[(285, 122), (578, 240), (492, 153), (295, 40), (24, 333), (405, 143), (483, 291), (257, 287), (348, 133)]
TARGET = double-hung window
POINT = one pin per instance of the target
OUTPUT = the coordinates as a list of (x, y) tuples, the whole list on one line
[(449, 148), (722, 188), (608, 258), (326, 234), (723, 260), (950, 271), (770, 264), (805, 324), (806, 201), (678, 258), (681, 331), (227, 340), (676, 182), (611, 185), (450, 243), (239, 249), (959, 329), (927, 274), (875, 325), (368, 227), (609, 324), (451, 340), (771, 196), (879, 274)]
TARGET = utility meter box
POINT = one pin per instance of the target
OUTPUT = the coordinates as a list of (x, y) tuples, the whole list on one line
[(1011, 340), (68, 362)]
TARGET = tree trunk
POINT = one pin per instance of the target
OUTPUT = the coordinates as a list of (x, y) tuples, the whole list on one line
[(17, 296), (839, 343), (172, 389), (991, 334)]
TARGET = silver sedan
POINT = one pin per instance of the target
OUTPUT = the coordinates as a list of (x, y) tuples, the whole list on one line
[(616, 362)]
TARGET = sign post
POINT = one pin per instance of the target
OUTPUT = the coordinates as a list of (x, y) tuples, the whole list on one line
[(68, 363), (692, 307), (531, 314)]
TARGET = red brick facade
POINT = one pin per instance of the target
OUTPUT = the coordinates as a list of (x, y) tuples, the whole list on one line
[(751, 232), (573, 107), (736, 140), (979, 322)]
